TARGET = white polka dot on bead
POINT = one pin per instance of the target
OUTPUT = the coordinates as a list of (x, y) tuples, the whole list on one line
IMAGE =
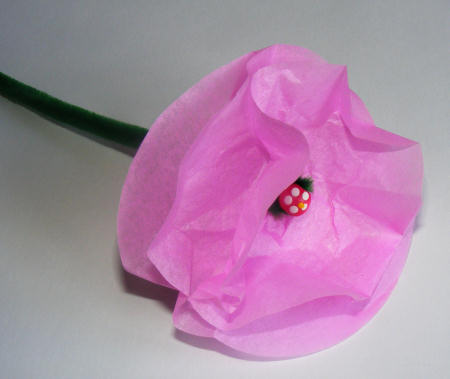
[(293, 209), (304, 207), (305, 195), (295, 191), (288, 200)]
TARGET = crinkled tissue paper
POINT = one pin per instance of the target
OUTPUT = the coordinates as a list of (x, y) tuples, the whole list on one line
[(194, 212)]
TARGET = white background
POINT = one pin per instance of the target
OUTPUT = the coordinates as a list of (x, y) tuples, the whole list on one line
[(67, 310)]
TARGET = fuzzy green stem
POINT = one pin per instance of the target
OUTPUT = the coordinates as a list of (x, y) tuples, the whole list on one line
[(71, 115)]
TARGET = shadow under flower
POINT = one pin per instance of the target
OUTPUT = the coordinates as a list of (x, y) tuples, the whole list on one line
[(134, 285), (419, 220), (207, 343)]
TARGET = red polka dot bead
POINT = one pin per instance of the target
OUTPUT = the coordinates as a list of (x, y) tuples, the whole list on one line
[(294, 200)]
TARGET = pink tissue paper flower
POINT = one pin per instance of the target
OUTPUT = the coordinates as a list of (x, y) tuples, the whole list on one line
[(194, 213)]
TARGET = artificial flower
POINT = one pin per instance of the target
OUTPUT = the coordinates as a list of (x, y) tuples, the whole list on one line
[(195, 208)]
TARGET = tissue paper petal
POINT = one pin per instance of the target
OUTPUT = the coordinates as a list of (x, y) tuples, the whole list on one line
[(150, 186), (194, 209)]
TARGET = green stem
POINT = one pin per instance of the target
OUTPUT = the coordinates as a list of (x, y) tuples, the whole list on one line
[(71, 115)]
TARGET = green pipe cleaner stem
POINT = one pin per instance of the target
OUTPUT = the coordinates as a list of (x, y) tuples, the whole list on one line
[(71, 115)]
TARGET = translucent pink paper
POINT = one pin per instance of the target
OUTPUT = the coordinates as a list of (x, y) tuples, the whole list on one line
[(194, 209)]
